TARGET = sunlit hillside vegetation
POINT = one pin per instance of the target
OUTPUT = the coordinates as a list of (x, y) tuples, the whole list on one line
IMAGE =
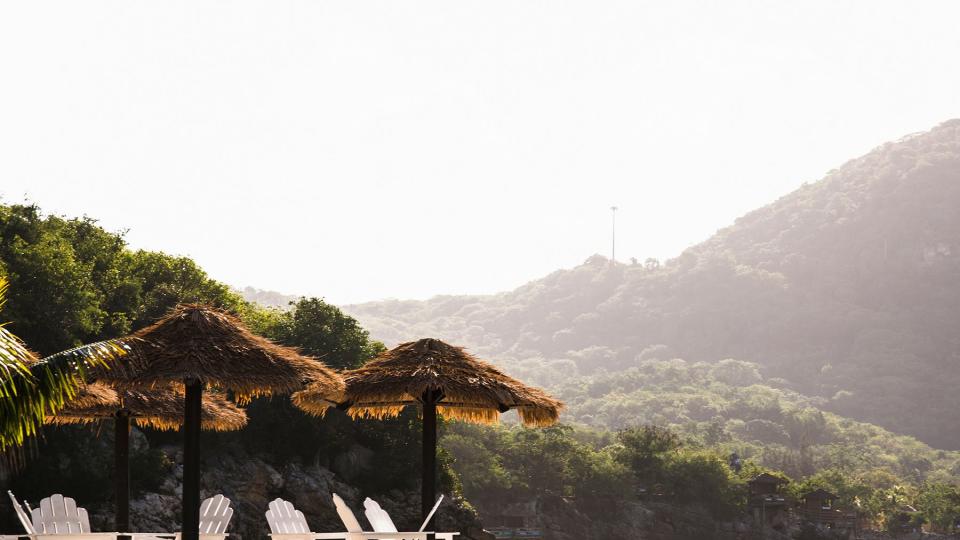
[(729, 405), (846, 290)]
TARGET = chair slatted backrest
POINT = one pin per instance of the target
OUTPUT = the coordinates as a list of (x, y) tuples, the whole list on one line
[(346, 515), (59, 515), (378, 517), (215, 514), (430, 515), (84, 519), (21, 514), (283, 518)]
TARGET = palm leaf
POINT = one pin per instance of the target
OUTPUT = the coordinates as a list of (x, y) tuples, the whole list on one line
[(26, 398), (31, 389)]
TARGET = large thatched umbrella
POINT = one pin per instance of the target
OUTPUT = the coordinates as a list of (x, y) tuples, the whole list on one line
[(158, 408), (440, 378), (199, 346)]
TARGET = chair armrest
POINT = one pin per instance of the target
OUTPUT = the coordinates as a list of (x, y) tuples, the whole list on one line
[(152, 536), (395, 535), (68, 536), (76, 536), (316, 536), (166, 535)]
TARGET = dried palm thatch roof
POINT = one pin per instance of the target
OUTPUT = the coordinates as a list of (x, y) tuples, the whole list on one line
[(154, 408), (471, 389), (83, 396), (216, 348), (90, 396), (315, 400)]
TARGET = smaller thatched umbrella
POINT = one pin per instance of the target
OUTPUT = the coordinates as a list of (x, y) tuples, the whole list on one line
[(440, 378), (200, 346), (160, 409), (148, 408)]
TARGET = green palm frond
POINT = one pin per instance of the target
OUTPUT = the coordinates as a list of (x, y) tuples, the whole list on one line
[(14, 357), (17, 381), (31, 389), (27, 398)]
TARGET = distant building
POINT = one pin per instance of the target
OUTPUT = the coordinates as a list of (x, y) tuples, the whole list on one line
[(519, 521), (766, 501), (819, 507)]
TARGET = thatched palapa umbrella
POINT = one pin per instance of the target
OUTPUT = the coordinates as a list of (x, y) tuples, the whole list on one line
[(200, 346), (157, 408), (440, 378)]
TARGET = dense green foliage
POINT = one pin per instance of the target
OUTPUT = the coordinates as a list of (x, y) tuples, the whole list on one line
[(505, 465), (318, 329), (729, 404), (73, 282)]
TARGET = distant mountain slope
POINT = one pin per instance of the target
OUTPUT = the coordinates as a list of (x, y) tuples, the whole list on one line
[(847, 288), (267, 298)]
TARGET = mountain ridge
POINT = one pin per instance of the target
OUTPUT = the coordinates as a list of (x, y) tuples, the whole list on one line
[(846, 288)]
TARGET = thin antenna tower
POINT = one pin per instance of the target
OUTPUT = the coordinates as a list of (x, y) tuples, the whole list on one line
[(613, 242)]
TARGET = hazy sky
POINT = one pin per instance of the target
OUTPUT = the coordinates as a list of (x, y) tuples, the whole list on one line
[(360, 150)]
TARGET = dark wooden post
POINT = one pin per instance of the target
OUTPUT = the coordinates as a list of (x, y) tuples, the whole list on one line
[(190, 528), (121, 469), (428, 492)]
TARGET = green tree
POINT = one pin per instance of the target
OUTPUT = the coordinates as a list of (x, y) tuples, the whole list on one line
[(702, 477), (55, 303), (73, 282), (645, 450), (157, 281), (480, 468), (940, 505), (321, 330)]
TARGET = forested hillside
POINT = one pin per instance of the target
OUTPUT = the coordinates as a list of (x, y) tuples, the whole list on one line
[(846, 291)]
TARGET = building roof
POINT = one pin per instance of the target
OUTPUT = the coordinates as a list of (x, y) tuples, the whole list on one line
[(819, 494), (767, 478)]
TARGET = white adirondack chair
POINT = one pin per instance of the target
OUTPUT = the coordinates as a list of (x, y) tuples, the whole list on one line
[(215, 514), (380, 521), (288, 523), (21, 515), (58, 517)]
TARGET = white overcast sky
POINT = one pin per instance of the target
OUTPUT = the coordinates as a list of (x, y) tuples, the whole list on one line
[(360, 150)]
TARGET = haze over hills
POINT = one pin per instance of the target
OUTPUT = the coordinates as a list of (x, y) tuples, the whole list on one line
[(846, 291)]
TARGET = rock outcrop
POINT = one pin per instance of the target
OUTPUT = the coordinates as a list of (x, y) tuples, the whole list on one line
[(251, 483)]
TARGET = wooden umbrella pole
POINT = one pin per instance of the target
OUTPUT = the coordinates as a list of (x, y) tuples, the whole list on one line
[(190, 529), (121, 469), (428, 492)]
